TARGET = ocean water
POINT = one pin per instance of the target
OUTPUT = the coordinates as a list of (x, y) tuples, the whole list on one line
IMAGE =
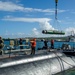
[(67, 72), (40, 44), (56, 44)]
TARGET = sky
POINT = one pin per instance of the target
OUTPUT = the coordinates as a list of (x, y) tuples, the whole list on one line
[(27, 18)]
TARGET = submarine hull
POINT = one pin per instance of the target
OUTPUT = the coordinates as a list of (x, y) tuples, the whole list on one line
[(44, 64)]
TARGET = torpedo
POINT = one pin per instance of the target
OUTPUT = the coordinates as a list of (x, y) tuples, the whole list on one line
[(53, 32)]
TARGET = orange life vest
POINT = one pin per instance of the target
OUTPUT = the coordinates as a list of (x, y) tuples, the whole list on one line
[(52, 41), (34, 44)]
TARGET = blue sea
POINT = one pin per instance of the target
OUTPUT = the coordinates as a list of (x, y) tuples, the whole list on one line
[(40, 44)]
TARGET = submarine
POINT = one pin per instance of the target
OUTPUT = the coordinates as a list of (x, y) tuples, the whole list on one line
[(46, 63)]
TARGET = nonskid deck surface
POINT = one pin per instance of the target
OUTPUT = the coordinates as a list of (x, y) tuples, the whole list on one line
[(16, 53), (21, 55), (27, 58), (27, 53)]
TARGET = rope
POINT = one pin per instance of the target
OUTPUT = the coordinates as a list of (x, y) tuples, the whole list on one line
[(64, 60), (61, 65), (56, 20), (56, 13)]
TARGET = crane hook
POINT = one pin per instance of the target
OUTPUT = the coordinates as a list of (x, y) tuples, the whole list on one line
[(56, 1)]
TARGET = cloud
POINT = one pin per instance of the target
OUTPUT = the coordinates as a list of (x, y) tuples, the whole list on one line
[(70, 31), (46, 25), (35, 31), (14, 35), (9, 18), (43, 22), (11, 7), (21, 34), (60, 11)]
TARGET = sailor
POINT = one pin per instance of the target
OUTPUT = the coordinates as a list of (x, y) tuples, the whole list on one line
[(16, 42), (20, 42), (33, 46), (1, 45), (45, 44), (52, 43)]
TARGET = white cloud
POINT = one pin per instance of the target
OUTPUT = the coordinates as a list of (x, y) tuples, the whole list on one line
[(46, 25), (35, 32), (9, 18), (43, 22), (20, 34), (10, 6), (70, 31), (45, 10), (60, 11)]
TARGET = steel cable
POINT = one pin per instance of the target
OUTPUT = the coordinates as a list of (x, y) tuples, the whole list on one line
[(64, 60)]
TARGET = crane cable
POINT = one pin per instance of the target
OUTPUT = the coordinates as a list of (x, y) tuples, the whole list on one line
[(56, 13), (56, 1)]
